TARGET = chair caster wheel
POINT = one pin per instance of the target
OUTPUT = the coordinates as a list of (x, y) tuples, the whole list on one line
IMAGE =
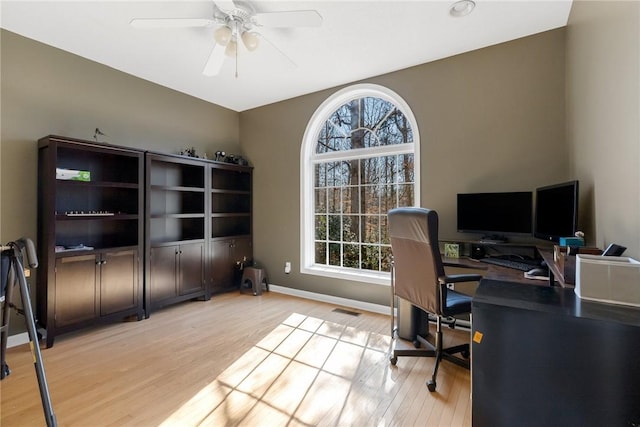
[(416, 344), (465, 353), (393, 360), (431, 385)]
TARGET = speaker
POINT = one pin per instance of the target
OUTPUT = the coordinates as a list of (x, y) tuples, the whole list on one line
[(477, 251)]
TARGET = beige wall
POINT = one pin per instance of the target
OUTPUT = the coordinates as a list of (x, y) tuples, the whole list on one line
[(489, 120), (603, 118), (48, 91)]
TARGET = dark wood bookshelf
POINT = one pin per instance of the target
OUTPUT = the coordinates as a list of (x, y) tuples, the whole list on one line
[(103, 281)]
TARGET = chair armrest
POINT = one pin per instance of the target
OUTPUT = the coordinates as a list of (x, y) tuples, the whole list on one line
[(458, 278)]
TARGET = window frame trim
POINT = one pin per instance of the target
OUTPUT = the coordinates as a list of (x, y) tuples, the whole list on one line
[(308, 158)]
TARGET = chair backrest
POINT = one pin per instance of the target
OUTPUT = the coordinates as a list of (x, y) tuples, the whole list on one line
[(416, 256)]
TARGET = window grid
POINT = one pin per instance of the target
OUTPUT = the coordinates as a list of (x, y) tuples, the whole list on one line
[(357, 162), (341, 221)]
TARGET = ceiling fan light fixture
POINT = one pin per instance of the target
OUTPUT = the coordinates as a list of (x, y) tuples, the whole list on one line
[(462, 8), (223, 35), (250, 40), (231, 49)]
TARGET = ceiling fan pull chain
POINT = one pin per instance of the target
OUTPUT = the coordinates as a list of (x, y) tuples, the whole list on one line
[(237, 48)]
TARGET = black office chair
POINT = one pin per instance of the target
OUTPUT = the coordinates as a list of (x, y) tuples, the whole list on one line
[(418, 276)]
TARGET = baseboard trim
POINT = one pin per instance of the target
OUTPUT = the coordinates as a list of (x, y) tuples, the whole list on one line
[(18, 339), (345, 302)]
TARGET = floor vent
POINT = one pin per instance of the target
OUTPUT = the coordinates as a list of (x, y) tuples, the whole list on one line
[(343, 311)]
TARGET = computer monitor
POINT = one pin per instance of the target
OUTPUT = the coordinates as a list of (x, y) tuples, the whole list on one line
[(495, 215), (556, 211)]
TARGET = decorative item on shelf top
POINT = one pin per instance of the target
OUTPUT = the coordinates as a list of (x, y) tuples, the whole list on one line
[(236, 160), (191, 152), (220, 155), (451, 250)]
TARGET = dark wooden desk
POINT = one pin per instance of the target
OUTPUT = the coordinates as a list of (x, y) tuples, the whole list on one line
[(495, 272), (541, 356)]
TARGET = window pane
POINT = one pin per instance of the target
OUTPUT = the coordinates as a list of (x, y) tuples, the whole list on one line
[(370, 199), (385, 259), (321, 227), (351, 256), (320, 173), (351, 228), (320, 200), (370, 257), (405, 168), (405, 195), (338, 174), (351, 200), (321, 253), (396, 128), (372, 232), (379, 170), (334, 254), (388, 198), (334, 203), (384, 230), (334, 227)]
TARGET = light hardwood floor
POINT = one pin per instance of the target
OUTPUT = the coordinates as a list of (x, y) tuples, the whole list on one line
[(271, 360)]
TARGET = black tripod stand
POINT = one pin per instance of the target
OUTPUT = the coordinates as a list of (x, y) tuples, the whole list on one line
[(12, 273)]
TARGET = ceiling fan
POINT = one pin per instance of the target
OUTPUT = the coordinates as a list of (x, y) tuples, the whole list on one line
[(236, 20)]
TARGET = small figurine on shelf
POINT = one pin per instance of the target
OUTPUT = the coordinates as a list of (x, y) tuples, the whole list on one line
[(191, 152), (220, 155), (236, 160)]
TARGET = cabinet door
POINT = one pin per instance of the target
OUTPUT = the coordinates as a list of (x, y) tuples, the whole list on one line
[(191, 268), (163, 273), (220, 268), (118, 281), (76, 296)]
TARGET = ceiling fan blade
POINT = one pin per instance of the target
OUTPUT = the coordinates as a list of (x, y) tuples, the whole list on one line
[(170, 22), (215, 61), (293, 18)]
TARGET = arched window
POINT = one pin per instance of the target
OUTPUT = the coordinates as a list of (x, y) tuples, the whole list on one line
[(357, 162)]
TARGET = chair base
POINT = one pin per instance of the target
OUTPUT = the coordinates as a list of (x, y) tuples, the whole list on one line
[(424, 348)]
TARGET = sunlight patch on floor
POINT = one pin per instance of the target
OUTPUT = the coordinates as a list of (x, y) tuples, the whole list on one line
[(305, 371)]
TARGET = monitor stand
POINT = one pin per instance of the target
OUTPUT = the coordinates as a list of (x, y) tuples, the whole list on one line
[(494, 238)]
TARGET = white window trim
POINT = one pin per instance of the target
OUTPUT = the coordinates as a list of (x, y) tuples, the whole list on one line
[(307, 153)]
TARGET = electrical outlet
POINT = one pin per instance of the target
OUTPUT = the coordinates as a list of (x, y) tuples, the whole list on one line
[(287, 267), (27, 272)]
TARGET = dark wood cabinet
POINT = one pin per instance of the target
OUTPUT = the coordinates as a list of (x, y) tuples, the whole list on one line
[(176, 273), (116, 272), (90, 234), (231, 224), (176, 206), (227, 258)]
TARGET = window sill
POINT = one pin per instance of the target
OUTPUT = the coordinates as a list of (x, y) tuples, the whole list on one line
[(383, 279)]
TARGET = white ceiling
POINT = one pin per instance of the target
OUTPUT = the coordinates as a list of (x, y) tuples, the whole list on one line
[(357, 40)]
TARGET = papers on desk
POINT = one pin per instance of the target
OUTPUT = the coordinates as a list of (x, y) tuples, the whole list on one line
[(531, 276)]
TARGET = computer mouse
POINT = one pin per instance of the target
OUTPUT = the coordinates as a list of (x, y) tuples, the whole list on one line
[(538, 272)]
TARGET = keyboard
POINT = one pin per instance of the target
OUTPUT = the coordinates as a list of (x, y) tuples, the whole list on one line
[(517, 265)]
